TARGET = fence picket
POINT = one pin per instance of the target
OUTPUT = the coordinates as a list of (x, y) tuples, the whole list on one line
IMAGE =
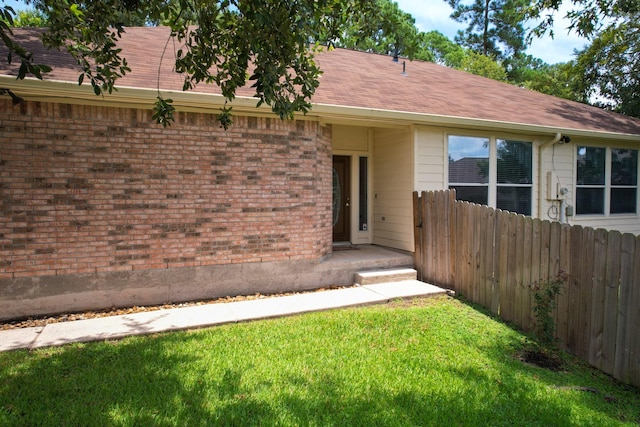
[(459, 249), (597, 297), (453, 206), (554, 255), (573, 288), (417, 235), (545, 236), (478, 238), (503, 251), (469, 255), (610, 323), (427, 231), (487, 256), (634, 320), (585, 292), (518, 264), (623, 336), (536, 231), (562, 309), (445, 238), (527, 242)]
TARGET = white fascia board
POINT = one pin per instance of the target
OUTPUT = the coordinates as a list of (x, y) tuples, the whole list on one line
[(57, 91), (338, 113), (130, 97)]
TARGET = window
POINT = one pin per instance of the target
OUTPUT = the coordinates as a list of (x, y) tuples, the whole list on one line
[(494, 172), (624, 181), (363, 202), (514, 176), (469, 168), (590, 183), (606, 181)]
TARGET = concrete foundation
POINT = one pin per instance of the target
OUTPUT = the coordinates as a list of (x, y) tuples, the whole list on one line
[(36, 296)]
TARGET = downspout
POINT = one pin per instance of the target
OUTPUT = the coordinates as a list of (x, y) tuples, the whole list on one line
[(555, 139)]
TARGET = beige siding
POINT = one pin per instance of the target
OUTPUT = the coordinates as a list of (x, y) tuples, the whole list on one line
[(350, 138), (557, 164), (393, 186), (431, 158)]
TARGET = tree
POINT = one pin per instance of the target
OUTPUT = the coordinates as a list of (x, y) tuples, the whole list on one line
[(588, 17), (610, 66), (441, 49), (220, 40), (29, 18), (561, 80), (482, 65), (388, 30), (495, 26)]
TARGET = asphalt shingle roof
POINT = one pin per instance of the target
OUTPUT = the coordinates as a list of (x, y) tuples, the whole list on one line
[(360, 80)]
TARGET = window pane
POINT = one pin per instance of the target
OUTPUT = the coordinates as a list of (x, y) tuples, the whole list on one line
[(591, 165), (514, 162), (477, 195), (468, 160), (623, 200), (514, 199), (362, 194), (589, 200), (624, 167)]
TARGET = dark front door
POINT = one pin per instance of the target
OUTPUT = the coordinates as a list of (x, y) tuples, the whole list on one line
[(341, 198)]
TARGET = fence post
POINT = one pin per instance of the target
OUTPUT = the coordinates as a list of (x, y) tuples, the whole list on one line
[(417, 235)]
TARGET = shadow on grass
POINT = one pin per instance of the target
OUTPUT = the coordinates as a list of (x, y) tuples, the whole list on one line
[(155, 381), (381, 406)]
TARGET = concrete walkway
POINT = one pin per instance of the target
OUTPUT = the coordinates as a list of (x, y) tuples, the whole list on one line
[(113, 327)]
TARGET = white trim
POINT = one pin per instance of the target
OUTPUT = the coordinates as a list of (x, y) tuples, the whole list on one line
[(52, 90)]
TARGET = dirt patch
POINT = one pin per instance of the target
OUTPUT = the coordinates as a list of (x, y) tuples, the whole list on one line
[(542, 358)]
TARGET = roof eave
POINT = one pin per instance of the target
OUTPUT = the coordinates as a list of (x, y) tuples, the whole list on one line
[(130, 97), (338, 114)]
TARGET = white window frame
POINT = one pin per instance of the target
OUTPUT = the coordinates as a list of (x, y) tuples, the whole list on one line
[(492, 185), (607, 183)]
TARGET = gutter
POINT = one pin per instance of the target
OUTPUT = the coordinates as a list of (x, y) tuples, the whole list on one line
[(69, 92)]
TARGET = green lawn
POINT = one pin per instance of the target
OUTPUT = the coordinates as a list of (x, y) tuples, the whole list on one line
[(426, 362)]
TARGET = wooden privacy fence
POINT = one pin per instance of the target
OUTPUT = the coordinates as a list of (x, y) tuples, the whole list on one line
[(494, 258)]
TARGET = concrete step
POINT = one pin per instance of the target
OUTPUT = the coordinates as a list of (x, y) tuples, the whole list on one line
[(385, 276)]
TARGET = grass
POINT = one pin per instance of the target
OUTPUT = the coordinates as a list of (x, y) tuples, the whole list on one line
[(426, 362)]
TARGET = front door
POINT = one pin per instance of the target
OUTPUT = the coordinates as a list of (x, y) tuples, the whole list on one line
[(341, 198)]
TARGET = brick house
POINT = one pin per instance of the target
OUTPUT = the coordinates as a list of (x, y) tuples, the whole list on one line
[(101, 207)]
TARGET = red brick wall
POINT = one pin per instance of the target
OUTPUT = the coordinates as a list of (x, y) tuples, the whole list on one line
[(93, 189)]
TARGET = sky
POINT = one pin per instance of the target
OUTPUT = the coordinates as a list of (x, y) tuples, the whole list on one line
[(434, 15)]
